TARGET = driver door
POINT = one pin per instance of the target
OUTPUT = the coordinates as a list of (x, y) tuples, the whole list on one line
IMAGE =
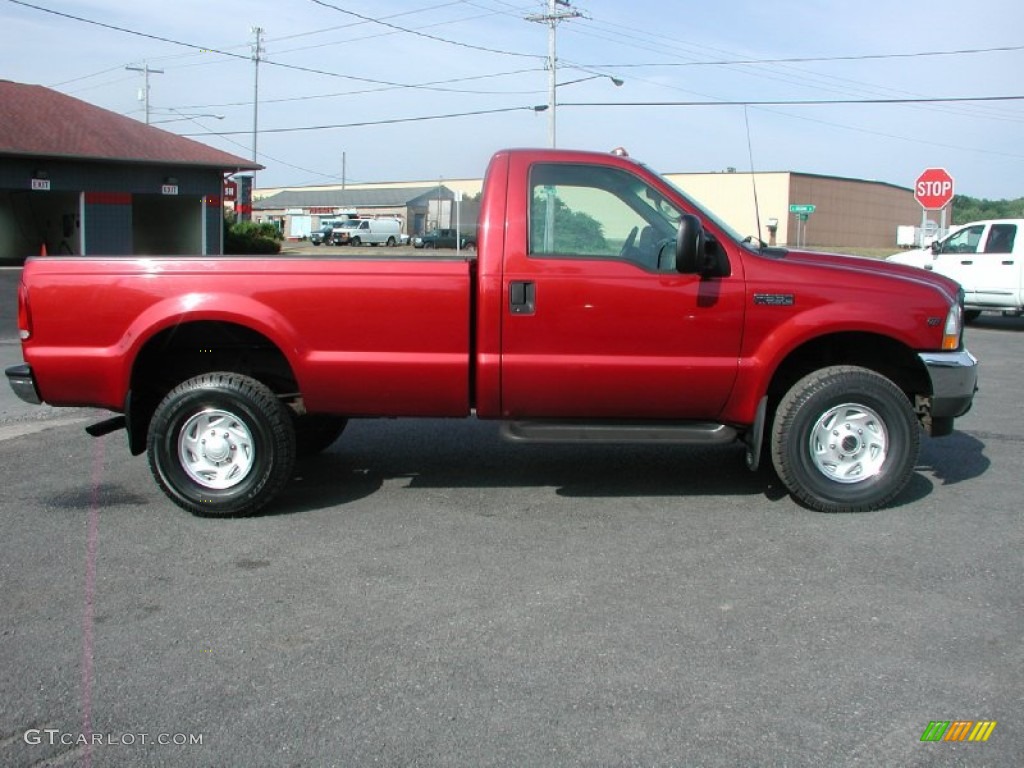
[(956, 257), (597, 322)]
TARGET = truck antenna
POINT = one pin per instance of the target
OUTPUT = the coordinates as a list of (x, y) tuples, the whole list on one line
[(753, 179)]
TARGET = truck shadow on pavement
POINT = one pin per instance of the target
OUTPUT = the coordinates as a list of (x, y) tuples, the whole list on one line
[(467, 455)]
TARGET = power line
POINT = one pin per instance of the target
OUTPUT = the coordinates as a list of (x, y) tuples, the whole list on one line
[(393, 121), (801, 77), (818, 59), (787, 102), (239, 56), (418, 33), (381, 89)]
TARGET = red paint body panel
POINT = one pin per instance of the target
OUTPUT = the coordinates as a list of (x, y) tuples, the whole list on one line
[(371, 337), (435, 337)]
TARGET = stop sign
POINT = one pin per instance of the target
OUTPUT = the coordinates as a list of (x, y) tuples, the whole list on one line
[(934, 189)]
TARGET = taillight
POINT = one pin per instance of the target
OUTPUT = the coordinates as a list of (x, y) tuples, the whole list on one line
[(24, 315)]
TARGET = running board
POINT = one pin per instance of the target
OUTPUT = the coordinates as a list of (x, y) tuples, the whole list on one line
[(675, 432)]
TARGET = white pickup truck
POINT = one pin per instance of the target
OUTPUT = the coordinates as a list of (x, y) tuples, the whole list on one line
[(986, 258)]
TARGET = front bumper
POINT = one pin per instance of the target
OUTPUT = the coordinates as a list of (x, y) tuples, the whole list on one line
[(23, 383), (954, 378)]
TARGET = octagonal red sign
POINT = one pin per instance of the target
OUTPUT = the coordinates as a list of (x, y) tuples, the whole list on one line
[(934, 189)]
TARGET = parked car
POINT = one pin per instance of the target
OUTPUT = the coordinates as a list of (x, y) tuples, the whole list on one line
[(985, 257), (368, 232), (445, 238), (322, 236)]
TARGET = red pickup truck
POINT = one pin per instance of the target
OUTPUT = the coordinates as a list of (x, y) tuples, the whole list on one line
[(601, 305)]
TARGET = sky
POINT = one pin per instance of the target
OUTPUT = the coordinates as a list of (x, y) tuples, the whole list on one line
[(408, 90)]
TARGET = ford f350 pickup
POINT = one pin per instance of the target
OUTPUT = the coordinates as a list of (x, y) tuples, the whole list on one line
[(601, 305)]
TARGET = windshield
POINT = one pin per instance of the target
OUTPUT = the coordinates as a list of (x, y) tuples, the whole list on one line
[(712, 217), (350, 224)]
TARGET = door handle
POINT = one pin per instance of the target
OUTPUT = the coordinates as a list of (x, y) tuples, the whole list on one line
[(1007, 263), (522, 297), (966, 262)]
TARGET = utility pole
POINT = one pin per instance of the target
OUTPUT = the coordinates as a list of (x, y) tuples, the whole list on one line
[(344, 161), (146, 71), (554, 15), (257, 52)]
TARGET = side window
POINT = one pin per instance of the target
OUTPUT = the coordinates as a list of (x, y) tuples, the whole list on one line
[(964, 241), (599, 213), (1001, 238)]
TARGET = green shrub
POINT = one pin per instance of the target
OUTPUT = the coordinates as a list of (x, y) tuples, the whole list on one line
[(251, 238)]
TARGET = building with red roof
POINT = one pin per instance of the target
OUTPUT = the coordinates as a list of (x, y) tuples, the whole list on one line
[(78, 179)]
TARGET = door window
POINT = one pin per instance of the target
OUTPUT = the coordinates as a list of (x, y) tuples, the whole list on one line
[(964, 241), (600, 213)]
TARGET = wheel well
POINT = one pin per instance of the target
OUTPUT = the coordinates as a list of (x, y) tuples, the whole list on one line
[(190, 349), (881, 354)]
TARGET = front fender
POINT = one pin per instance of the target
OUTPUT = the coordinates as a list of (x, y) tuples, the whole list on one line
[(781, 337)]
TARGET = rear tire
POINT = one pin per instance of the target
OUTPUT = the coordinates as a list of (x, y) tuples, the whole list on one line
[(845, 439), (970, 315), (391, 242), (221, 444)]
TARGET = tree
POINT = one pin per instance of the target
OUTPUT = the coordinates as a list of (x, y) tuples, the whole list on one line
[(574, 231), (967, 209)]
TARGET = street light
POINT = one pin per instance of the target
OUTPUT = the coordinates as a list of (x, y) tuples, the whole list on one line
[(615, 81), (187, 117), (552, 105)]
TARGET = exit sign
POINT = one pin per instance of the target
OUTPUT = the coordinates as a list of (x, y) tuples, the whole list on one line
[(169, 189), (41, 185)]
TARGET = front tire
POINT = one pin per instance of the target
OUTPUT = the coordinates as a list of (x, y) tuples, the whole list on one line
[(845, 439), (221, 444)]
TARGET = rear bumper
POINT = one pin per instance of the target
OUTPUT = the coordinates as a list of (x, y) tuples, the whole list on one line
[(23, 383), (954, 378)]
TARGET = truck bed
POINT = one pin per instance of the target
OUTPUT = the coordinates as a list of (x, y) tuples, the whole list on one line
[(363, 336)]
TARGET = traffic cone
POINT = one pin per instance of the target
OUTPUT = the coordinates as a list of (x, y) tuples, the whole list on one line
[(42, 251)]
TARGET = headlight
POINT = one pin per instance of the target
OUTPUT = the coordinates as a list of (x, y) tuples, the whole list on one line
[(954, 327)]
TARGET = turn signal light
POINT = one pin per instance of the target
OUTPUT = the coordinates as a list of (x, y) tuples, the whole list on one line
[(954, 327)]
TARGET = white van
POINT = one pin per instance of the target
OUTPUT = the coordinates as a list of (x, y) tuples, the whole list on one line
[(986, 258), (368, 232)]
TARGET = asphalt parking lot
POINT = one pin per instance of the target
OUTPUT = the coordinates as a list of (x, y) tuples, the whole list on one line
[(425, 594)]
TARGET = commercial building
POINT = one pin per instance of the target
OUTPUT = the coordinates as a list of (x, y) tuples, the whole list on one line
[(78, 179), (836, 211), (298, 212)]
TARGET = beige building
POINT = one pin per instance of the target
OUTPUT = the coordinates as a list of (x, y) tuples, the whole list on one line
[(847, 212)]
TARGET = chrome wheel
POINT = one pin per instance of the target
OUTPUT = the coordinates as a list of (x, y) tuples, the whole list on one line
[(216, 449), (849, 443), (845, 439)]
